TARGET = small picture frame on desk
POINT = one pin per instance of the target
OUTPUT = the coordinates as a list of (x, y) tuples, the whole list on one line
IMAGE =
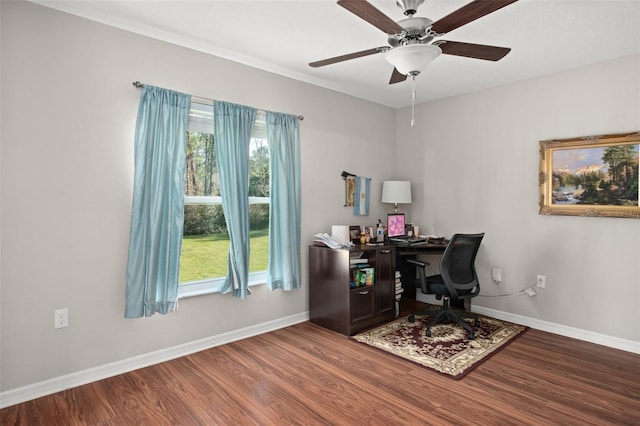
[(354, 234), (408, 230), (369, 233)]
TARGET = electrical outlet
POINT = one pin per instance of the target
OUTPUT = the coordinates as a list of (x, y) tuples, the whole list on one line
[(541, 281), (496, 273), (61, 318)]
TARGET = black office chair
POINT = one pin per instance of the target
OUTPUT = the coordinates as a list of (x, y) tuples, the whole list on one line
[(457, 281)]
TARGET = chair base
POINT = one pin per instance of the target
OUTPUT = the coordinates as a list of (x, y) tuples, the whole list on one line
[(446, 313)]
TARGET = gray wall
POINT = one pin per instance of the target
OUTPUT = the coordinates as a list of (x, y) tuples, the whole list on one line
[(67, 119), (476, 164)]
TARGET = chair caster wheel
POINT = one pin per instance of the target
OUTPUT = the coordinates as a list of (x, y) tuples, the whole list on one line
[(411, 318), (427, 333), (471, 336), (476, 323)]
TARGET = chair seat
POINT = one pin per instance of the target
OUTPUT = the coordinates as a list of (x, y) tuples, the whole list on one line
[(436, 285)]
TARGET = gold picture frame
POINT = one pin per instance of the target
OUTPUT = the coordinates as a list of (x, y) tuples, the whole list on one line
[(590, 176)]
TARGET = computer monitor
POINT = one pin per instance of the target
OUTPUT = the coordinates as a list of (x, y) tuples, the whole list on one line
[(395, 224)]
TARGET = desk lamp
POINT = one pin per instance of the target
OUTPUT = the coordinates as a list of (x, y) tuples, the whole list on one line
[(396, 191)]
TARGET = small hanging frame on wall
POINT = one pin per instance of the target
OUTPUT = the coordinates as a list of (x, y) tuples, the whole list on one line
[(349, 188)]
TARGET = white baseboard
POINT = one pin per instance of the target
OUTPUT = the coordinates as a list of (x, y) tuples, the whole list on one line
[(563, 330), (57, 384), (68, 381)]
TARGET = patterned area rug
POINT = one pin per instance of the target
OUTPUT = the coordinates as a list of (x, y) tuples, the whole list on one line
[(449, 350)]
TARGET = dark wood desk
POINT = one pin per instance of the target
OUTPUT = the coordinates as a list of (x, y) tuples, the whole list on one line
[(335, 304)]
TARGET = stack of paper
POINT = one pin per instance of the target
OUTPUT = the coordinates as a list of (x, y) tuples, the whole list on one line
[(330, 242)]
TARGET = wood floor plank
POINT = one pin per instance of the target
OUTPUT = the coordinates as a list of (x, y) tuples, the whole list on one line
[(308, 375)]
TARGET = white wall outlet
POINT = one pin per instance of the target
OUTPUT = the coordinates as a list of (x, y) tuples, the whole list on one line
[(61, 318), (541, 281), (496, 273)]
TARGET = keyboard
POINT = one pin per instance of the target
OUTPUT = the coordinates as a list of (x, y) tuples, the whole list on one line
[(407, 240)]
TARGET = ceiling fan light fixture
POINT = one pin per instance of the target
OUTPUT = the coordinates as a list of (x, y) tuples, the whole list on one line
[(412, 59)]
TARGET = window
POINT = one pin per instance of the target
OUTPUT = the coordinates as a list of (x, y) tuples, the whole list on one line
[(205, 244)]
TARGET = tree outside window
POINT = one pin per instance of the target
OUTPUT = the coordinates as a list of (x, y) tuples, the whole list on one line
[(205, 242)]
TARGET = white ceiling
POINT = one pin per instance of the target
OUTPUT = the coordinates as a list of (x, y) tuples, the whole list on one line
[(282, 37)]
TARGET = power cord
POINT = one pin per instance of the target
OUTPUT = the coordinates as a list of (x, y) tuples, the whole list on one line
[(528, 291)]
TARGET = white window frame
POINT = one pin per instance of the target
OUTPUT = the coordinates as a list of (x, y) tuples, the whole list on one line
[(211, 285)]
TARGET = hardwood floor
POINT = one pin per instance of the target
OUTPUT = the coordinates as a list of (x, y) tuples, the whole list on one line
[(307, 375)]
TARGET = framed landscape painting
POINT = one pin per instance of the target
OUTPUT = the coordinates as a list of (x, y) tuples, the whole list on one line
[(590, 176)]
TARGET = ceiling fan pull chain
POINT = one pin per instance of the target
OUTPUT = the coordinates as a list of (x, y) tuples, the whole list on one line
[(413, 99)]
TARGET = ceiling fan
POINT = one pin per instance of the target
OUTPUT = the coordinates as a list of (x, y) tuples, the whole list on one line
[(412, 41)]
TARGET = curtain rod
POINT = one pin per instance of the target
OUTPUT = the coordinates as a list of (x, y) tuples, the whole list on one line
[(140, 85)]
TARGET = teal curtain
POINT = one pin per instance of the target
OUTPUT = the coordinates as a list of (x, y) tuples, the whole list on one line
[(157, 212), (284, 217), (232, 130)]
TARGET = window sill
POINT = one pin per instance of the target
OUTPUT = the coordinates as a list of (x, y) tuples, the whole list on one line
[(199, 288)]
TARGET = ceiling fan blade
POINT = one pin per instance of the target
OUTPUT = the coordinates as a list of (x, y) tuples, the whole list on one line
[(470, 12), (397, 77), (372, 15), (348, 56), (470, 50)]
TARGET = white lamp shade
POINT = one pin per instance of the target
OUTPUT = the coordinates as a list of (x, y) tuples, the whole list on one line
[(413, 58), (396, 192)]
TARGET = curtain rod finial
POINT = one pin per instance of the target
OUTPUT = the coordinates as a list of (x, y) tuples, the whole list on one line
[(138, 84)]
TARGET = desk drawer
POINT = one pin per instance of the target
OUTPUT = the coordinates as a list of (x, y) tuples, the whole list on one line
[(362, 305)]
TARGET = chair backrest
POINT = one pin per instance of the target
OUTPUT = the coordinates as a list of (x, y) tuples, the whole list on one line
[(457, 265)]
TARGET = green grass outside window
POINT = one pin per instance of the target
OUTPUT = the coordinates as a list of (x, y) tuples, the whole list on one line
[(205, 256)]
